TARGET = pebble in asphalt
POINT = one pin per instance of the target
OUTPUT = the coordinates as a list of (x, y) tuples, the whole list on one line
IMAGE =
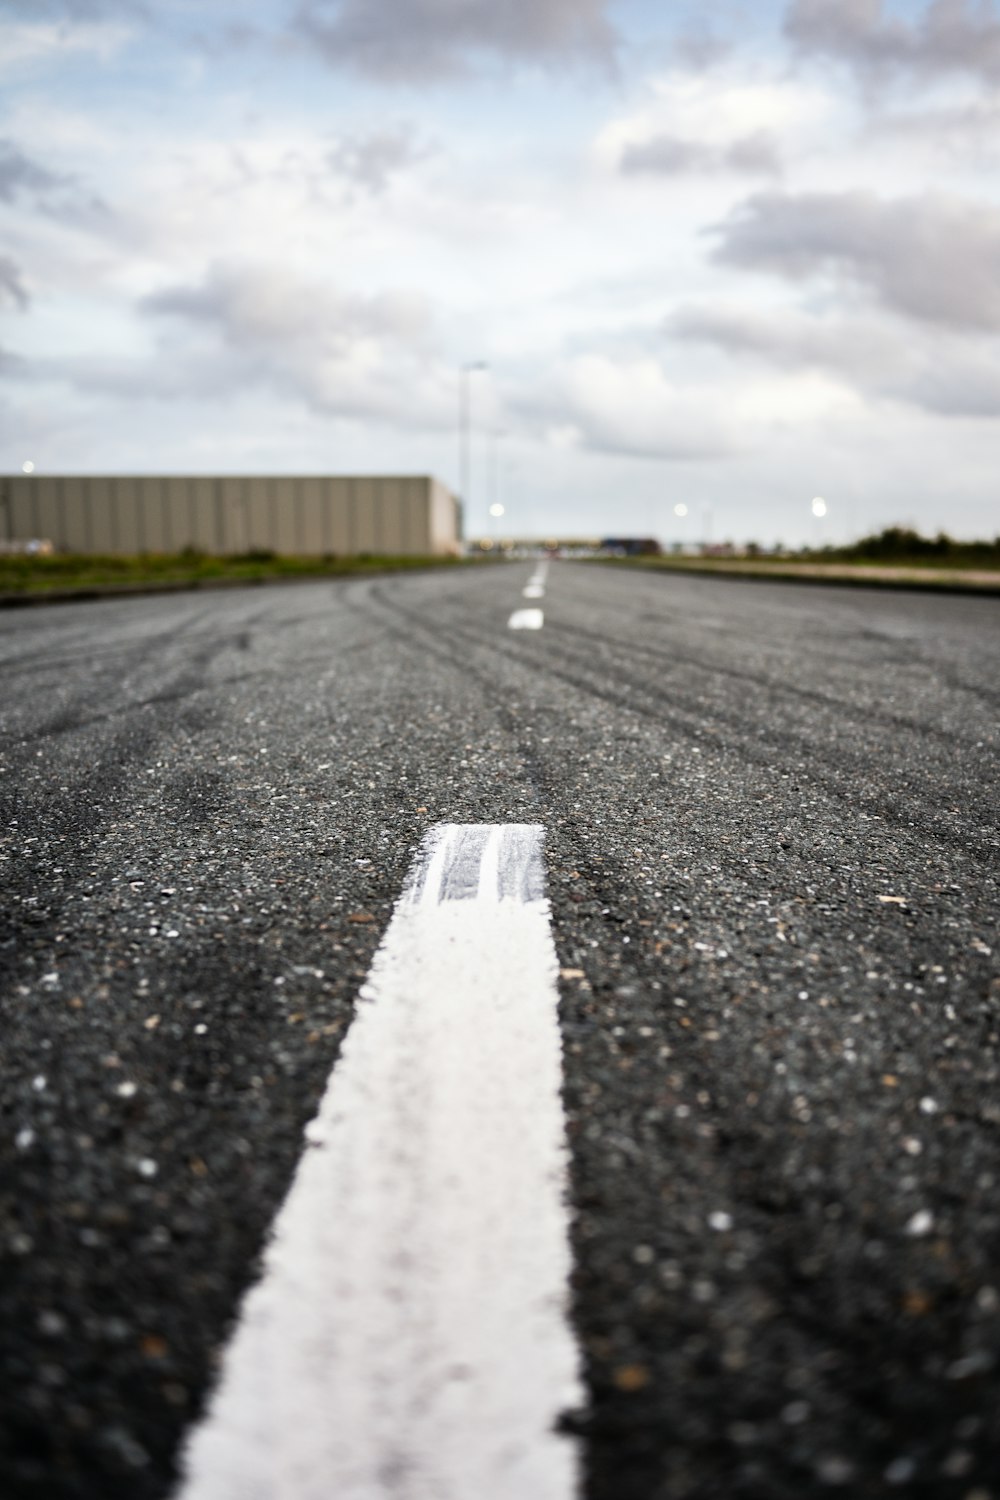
[(771, 823)]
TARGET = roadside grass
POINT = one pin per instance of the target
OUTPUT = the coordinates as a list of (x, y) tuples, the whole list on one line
[(818, 560), (901, 546), (971, 575), (67, 572), (896, 555)]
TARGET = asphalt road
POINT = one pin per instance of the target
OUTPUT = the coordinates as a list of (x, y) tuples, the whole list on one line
[(771, 831)]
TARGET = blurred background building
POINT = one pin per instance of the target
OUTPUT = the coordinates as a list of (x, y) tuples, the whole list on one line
[(295, 515)]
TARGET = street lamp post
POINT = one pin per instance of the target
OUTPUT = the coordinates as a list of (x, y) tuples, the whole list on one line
[(496, 511), (509, 475), (463, 427), (497, 506), (680, 511)]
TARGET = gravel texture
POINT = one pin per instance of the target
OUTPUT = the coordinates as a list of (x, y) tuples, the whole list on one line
[(772, 843)]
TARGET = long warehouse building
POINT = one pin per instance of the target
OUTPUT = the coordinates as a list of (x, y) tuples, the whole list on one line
[(294, 515)]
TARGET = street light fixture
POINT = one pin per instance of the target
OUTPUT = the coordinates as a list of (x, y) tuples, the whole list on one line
[(463, 425), (496, 496)]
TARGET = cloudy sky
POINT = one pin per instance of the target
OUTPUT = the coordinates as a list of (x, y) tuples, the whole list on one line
[(731, 255)]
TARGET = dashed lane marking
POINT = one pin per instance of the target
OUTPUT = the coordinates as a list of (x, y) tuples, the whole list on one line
[(526, 619), (535, 588), (409, 1336)]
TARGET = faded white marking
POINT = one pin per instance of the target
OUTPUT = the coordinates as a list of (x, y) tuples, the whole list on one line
[(526, 619), (534, 589), (408, 1338)]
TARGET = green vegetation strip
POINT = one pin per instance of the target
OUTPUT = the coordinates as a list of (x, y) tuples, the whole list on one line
[(962, 579), (73, 575)]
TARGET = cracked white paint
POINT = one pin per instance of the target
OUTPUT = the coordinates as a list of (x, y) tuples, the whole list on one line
[(409, 1337)]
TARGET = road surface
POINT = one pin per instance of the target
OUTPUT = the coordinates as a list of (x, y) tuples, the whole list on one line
[(770, 833)]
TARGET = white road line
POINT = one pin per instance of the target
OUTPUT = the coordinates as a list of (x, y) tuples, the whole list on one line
[(535, 588), (408, 1339), (526, 619)]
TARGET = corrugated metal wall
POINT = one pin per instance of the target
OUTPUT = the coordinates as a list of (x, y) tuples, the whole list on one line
[(298, 515)]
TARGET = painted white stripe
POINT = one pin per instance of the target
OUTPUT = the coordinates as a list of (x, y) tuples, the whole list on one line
[(526, 619), (408, 1339), (535, 587)]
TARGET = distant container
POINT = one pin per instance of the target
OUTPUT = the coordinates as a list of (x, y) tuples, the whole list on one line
[(631, 546), (295, 515)]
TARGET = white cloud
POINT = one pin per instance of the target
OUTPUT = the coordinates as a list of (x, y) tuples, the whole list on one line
[(261, 305), (949, 36), (672, 156), (372, 160), (343, 353), (720, 107), (935, 258), (21, 173), (733, 120), (427, 39), (12, 289), (629, 407), (878, 358)]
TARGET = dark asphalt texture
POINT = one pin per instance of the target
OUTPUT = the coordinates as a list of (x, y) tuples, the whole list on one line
[(772, 839)]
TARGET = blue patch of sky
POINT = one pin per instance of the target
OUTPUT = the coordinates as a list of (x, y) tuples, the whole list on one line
[(179, 77), (224, 67)]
